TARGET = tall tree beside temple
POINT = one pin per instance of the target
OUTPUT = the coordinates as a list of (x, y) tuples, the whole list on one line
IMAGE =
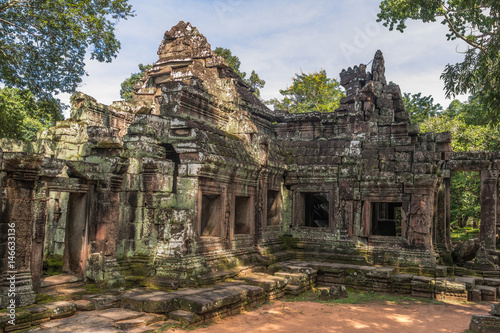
[(43, 45), (476, 23), (312, 92), (421, 107), (470, 131), (22, 115)]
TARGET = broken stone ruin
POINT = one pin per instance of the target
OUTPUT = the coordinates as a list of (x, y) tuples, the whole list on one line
[(196, 201)]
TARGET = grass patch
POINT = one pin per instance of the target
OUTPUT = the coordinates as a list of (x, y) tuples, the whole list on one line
[(464, 234), (361, 297)]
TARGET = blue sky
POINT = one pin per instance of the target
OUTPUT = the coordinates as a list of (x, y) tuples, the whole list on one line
[(279, 38)]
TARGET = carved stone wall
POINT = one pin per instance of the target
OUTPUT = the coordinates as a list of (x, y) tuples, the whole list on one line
[(198, 176)]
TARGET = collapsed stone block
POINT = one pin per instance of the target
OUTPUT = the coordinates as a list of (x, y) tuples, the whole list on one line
[(334, 292)]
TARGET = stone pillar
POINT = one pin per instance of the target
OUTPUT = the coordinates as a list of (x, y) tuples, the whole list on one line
[(40, 206), (498, 218), (440, 227), (447, 183), (489, 195), (17, 228)]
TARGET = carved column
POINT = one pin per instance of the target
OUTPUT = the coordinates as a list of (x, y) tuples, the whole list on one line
[(17, 222), (489, 195), (447, 183)]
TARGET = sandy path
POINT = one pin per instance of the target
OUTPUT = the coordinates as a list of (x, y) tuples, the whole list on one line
[(291, 317)]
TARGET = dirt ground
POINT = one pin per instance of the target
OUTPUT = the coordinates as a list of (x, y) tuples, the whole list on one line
[(295, 317)]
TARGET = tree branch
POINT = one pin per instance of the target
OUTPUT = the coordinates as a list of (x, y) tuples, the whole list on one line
[(458, 34), (12, 3), (21, 28)]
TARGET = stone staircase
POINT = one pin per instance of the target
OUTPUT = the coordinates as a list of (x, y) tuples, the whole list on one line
[(57, 284), (146, 309)]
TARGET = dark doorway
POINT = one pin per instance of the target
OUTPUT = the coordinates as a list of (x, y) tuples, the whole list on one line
[(66, 233), (75, 251), (210, 215), (273, 208), (242, 223), (316, 206), (386, 218)]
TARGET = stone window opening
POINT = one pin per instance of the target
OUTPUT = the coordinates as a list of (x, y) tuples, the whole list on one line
[(211, 215), (386, 218), (273, 208), (316, 208), (172, 155), (242, 223)]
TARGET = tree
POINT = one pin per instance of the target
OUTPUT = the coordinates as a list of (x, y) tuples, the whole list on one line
[(421, 107), (43, 43), (22, 115), (469, 132), (234, 62), (313, 92), (476, 22), (127, 86), (256, 83)]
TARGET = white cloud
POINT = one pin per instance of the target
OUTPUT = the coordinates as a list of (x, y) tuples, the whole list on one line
[(279, 38)]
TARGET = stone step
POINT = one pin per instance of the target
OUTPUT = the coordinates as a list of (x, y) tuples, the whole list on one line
[(294, 290), (199, 301), (470, 282), (299, 279), (211, 300), (61, 309), (84, 305), (103, 302), (265, 281), (120, 314), (59, 282), (215, 277), (484, 293), (129, 324), (150, 301), (185, 317)]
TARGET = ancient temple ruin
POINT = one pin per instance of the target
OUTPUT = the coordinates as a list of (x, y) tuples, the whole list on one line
[(197, 176)]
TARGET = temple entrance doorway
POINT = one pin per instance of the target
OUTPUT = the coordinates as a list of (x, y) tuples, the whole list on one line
[(66, 233)]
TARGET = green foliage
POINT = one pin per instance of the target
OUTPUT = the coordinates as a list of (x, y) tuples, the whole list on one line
[(469, 132), (234, 62), (465, 203), (255, 82), (477, 24), (467, 127), (127, 86), (421, 107), (313, 92), (43, 43), (22, 115), (464, 234)]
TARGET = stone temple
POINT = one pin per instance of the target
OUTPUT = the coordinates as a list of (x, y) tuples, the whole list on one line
[(196, 180)]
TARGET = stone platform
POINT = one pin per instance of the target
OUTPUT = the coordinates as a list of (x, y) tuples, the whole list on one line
[(147, 309)]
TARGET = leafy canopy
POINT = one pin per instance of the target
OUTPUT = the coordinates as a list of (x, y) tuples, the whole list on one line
[(477, 23), (421, 107), (313, 92), (22, 115), (43, 43), (469, 132), (127, 86)]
